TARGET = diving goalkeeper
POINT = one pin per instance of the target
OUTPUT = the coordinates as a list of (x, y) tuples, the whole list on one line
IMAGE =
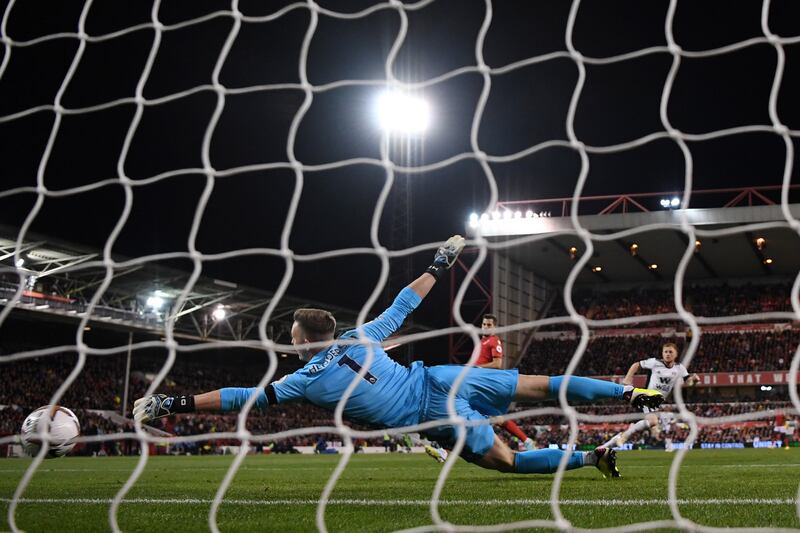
[(391, 395)]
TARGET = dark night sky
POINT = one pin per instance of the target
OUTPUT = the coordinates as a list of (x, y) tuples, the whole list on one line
[(527, 106)]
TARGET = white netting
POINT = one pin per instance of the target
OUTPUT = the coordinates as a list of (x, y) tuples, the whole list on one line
[(285, 253)]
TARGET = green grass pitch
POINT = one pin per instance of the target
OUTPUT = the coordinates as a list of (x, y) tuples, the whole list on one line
[(745, 488)]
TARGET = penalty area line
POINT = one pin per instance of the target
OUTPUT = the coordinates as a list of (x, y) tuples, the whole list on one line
[(400, 503)]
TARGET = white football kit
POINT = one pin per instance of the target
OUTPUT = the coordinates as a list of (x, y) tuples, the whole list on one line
[(663, 379)]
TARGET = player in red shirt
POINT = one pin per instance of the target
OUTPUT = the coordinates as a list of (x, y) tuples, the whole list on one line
[(491, 356)]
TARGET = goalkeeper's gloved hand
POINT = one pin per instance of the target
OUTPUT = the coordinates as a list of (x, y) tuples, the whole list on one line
[(446, 255), (160, 405)]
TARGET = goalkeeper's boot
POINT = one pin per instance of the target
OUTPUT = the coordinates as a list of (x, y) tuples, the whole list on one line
[(644, 398), (152, 407), (438, 454), (607, 462)]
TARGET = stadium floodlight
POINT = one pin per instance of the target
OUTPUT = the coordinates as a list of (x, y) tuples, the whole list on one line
[(155, 302), (400, 112), (670, 203), (597, 269), (507, 215), (496, 215), (473, 220), (761, 242), (768, 261), (766, 387), (219, 313), (528, 214), (653, 266), (19, 262), (517, 214), (634, 249)]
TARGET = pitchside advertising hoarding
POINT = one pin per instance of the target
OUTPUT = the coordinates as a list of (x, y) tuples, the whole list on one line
[(725, 379)]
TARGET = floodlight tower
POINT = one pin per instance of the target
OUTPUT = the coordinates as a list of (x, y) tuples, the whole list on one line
[(404, 118)]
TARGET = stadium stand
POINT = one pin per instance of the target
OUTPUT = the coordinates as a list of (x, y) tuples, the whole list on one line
[(97, 392)]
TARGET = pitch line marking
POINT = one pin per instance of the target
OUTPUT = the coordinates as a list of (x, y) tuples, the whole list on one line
[(279, 468), (399, 503)]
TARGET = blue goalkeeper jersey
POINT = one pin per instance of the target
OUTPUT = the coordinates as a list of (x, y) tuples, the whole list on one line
[(388, 395)]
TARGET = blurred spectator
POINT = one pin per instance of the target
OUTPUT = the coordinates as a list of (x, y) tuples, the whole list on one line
[(701, 300), (717, 352)]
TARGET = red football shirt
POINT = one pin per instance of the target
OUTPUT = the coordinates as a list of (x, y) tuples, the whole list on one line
[(491, 348)]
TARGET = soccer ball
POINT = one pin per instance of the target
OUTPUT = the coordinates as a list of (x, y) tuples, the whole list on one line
[(63, 425)]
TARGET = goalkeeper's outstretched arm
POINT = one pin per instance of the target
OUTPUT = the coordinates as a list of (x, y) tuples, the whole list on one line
[(217, 401), (293, 385), (445, 258), (410, 297)]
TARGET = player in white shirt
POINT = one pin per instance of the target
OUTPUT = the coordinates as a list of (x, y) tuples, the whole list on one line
[(664, 375)]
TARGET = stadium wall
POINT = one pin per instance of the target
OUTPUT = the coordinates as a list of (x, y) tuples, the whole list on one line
[(518, 295)]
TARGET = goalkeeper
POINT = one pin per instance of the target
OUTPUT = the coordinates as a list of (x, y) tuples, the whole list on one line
[(391, 395)]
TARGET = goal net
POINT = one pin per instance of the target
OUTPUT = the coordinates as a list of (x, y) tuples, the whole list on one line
[(248, 100)]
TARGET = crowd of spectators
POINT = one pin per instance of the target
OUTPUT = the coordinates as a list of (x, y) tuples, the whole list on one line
[(544, 429), (280, 418), (28, 384), (700, 409), (100, 384), (549, 429), (92, 423), (707, 435), (701, 300), (717, 352)]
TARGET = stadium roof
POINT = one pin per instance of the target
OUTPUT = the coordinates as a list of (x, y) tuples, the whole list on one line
[(61, 278), (659, 251)]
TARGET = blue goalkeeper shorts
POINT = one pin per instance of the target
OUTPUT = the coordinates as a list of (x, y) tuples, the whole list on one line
[(485, 392)]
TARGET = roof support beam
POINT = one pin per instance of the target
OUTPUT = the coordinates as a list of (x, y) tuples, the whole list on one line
[(6, 252), (218, 299)]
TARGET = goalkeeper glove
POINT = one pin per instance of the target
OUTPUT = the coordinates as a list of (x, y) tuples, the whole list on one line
[(160, 405), (446, 255)]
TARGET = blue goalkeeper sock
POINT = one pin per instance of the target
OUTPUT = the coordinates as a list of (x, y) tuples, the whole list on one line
[(544, 461), (586, 388), (233, 398)]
